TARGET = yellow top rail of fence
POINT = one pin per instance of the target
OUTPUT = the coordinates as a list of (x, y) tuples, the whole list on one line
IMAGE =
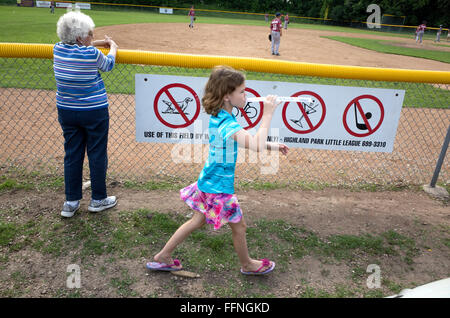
[(22, 50)]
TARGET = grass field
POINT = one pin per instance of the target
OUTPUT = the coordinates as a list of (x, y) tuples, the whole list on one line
[(385, 46), (41, 25)]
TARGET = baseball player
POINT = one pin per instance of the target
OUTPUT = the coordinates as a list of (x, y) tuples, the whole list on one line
[(275, 28), (286, 21), (420, 31), (192, 16), (438, 34)]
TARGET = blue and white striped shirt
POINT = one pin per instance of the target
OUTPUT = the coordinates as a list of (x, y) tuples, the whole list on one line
[(217, 175), (78, 81)]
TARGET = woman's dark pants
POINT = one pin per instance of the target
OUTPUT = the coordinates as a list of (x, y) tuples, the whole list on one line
[(85, 131)]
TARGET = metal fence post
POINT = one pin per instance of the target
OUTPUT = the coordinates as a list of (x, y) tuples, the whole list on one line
[(440, 159)]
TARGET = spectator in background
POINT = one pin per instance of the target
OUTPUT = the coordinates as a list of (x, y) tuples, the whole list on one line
[(438, 34), (192, 16), (286, 21), (82, 106)]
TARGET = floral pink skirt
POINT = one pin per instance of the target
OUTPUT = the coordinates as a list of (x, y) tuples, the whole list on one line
[(218, 208)]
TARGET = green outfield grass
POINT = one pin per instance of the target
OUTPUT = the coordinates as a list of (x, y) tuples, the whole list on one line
[(38, 25), (385, 46), (443, 45)]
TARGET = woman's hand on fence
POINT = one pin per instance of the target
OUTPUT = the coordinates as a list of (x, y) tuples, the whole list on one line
[(107, 42), (110, 43), (112, 46)]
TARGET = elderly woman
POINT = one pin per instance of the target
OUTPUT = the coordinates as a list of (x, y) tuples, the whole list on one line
[(82, 106)]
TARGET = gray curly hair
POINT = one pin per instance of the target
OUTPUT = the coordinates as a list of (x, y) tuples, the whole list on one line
[(73, 25)]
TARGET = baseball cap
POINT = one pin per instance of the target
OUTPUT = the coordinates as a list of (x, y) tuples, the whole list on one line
[(277, 14)]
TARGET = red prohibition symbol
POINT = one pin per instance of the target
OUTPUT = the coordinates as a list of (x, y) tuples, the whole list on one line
[(175, 107), (365, 125), (250, 112), (305, 110)]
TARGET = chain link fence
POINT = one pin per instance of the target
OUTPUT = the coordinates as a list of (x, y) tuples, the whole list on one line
[(31, 138)]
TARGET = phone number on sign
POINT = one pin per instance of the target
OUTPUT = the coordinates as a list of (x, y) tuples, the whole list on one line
[(374, 144)]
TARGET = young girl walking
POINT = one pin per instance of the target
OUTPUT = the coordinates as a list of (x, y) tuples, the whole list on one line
[(212, 197)]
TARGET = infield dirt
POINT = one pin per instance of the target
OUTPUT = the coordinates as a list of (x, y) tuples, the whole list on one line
[(299, 45)]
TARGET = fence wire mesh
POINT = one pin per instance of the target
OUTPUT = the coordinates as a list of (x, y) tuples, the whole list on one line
[(31, 138)]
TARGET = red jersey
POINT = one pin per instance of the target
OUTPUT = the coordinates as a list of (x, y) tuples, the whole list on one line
[(421, 28), (192, 12), (275, 25)]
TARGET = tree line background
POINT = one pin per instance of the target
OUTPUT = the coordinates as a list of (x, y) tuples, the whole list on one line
[(435, 12)]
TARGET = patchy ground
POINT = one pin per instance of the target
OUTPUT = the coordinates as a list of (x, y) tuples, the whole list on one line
[(420, 222)]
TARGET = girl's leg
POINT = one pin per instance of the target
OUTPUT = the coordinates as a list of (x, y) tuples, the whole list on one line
[(240, 245), (196, 222)]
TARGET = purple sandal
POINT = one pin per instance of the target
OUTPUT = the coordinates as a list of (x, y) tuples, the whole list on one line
[(265, 263), (157, 266)]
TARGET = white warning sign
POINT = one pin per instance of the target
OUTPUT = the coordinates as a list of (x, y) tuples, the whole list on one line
[(168, 110)]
